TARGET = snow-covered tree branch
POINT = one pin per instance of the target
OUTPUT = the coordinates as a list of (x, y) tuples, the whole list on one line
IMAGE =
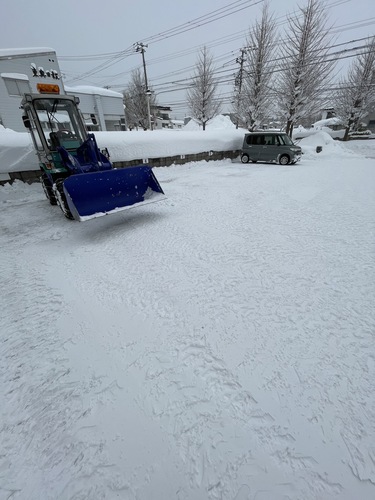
[(357, 92), (255, 101), (305, 65), (135, 99), (201, 97)]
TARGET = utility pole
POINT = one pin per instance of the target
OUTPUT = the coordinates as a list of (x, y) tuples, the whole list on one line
[(141, 47), (240, 60)]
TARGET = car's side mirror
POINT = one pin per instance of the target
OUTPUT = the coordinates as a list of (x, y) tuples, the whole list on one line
[(26, 122)]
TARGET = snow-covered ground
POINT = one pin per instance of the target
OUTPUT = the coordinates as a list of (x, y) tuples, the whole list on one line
[(215, 345)]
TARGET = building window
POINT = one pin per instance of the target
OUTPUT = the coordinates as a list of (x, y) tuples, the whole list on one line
[(17, 87)]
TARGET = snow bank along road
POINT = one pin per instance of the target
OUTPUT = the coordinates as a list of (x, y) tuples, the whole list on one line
[(216, 345)]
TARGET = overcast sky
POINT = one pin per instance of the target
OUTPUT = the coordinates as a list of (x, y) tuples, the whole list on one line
[(94, 38)]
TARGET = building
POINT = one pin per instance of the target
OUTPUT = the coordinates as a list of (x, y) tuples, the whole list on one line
[(161, 118), (177, 124), (20, 72), (366, 123), (22, 69), (102, 109)]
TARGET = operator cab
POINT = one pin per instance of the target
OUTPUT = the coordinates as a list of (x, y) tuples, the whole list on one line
[(59, 123), (53, 120)]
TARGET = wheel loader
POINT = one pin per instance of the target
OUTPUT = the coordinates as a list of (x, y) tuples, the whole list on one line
[(76, 174)]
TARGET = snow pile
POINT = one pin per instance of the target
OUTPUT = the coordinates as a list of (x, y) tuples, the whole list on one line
[(16, 151), (141, 144), (300, 132), (219, 122), (325, 125), (321, 139), (192, 125), (321, 125)]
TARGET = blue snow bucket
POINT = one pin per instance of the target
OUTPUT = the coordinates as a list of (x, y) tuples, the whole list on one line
[(95, 194)]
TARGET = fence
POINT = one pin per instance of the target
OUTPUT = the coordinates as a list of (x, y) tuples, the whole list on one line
[(31, 176)]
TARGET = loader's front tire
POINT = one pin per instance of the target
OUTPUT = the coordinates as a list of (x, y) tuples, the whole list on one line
[(58, 190), (48, 191)]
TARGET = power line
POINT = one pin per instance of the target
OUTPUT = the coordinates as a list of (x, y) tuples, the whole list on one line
[(115, 58), (179, 54), (213, 16), (227, 73)]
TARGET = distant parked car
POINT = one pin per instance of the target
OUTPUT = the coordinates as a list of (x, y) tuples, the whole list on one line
[(271, 147)]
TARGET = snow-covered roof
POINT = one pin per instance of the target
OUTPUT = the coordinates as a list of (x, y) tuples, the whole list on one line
[(25, 51), (88, 89), (328, 121), (15, 76)]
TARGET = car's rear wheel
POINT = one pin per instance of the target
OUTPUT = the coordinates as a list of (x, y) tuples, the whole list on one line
[(284, 160), (245, 159)]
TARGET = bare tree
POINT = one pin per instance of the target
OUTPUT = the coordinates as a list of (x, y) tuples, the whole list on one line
[(201, 97), (135, 100), (256, 102), (305, 64), (356, 93)]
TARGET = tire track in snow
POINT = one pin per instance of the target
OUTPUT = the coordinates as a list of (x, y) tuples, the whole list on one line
[(212, 419), (42, 404), (35, 389), (298, 319), (198, 379), (107, 284), (311, 304), (201, 381)]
